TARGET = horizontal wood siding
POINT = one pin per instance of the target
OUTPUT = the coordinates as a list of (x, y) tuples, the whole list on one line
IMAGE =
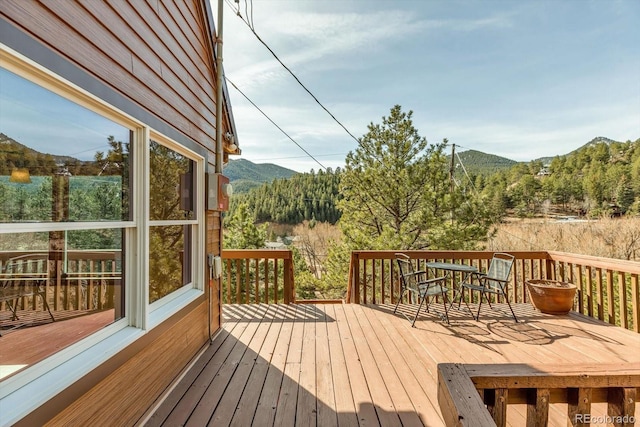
[(131, 389), (155, 53), (158, 55)]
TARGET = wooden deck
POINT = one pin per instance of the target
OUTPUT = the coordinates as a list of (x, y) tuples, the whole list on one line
[(349, 365), (26, 346)]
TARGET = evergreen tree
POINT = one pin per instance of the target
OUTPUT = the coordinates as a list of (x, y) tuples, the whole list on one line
[(397, 194)]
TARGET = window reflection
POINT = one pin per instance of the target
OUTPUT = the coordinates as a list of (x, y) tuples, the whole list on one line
[(171, 184), (75, 277), (169, 259), (86, 179)]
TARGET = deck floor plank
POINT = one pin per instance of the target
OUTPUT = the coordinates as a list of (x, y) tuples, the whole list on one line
[(268, 402), (380, 395), (349, 365), (306, 409), (217, 384), (243, 392), (288, 397), (408, 368), (173, 399), (366, 412), (346, 414), (325, 396), (398, 390)]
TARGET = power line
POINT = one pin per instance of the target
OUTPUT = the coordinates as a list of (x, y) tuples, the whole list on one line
[(290, 72), (297, 157), (274, 123)]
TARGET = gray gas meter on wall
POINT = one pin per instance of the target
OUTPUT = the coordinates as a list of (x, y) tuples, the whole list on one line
[(218, 192)]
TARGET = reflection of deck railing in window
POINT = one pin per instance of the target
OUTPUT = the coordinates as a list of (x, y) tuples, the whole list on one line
[(88, 282)]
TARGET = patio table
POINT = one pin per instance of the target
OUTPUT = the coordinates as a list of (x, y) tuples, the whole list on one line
[(450, 269)]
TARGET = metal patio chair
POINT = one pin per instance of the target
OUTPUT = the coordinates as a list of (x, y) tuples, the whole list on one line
[(23, 277), (417, 284), (494, 281)]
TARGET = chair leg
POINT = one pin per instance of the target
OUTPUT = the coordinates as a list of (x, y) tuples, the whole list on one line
[(511, 308), (399, 299), (13, 308), (46, 305), (467, 304), (446, 310), (418, 311), (482, 294)]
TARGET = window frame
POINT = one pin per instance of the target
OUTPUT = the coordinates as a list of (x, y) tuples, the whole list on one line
[(26, 390)]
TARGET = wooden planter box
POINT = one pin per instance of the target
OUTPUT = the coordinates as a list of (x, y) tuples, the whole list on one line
[(551, 296)]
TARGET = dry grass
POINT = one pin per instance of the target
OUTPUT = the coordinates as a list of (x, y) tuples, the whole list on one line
[(610, 238)]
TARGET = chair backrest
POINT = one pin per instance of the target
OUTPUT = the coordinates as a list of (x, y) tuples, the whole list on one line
[(407, 273), (22, 275), (499, 269)]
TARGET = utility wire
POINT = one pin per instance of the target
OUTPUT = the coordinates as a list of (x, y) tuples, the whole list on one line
[(531, 245), (274, 123), (292, 74)]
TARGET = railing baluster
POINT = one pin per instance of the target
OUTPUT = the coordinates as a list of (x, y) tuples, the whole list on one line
[(373, 281), (622, 298), (610, 298), (635, 302), (621, 405), (599, 293), (238, 280), (578, 404), (364, 287), (589, 291), (256, 297), (275, 281), (382, 281), (538, 407), (266, 281), (496, 400), (580, 290)]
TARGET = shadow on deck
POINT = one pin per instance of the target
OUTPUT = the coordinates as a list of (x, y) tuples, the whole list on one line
[(354, 365)]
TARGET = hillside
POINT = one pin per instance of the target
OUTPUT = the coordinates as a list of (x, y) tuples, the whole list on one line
[(479, 163), (245, 175)]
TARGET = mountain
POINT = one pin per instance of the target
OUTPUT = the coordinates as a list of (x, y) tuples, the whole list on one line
[(244, 174), (10, 146), (479, 163), (595, 141)]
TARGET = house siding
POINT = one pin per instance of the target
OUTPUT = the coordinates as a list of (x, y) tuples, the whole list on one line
[(156, 58)]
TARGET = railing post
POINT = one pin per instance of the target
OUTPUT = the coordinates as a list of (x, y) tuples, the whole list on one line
[(289, 288), (355, 259), (551, 270), (579, 404), (350, 281), (621, 406), (496, 401), (635, 302), (538, 407)]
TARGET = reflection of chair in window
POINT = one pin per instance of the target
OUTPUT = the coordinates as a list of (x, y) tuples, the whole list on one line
[(23, 277), (417, 284)]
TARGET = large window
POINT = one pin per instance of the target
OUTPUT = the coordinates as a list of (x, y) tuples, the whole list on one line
[(172, 215), (99, 228), (65, 208)]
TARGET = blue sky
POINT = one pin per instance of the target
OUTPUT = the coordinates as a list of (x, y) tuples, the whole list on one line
[(519, 79)]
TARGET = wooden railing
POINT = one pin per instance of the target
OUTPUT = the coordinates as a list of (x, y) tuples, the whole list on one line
[(257, 276), (608, 289), (88, 282), (479, 395)]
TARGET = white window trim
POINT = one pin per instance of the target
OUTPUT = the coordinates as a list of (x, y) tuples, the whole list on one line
[(27, 390)]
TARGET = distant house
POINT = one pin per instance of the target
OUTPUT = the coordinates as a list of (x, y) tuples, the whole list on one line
[(544, 171), (117, 248)]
